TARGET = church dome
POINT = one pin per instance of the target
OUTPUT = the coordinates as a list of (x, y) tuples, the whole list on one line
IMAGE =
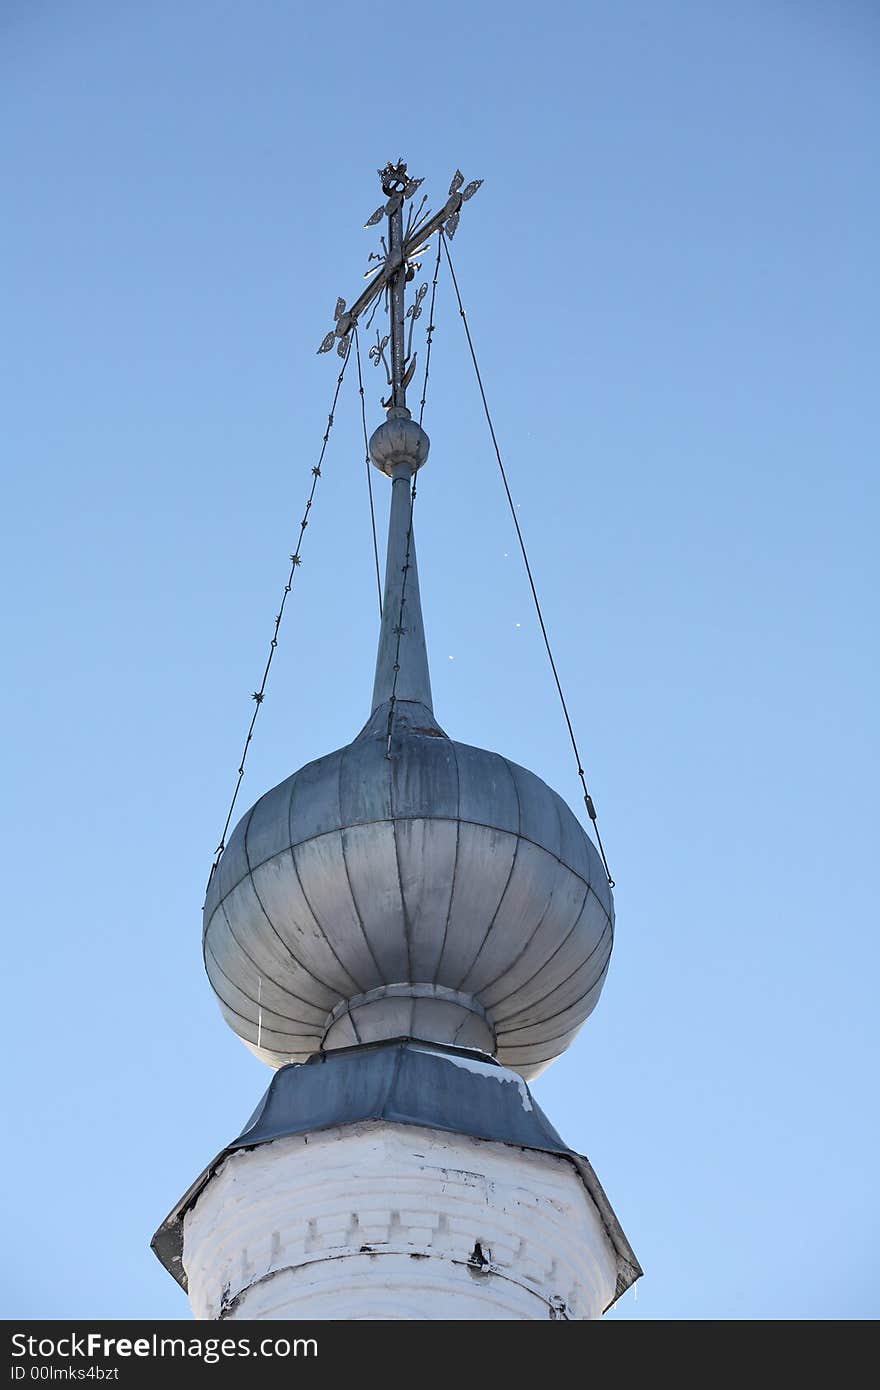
[(444, 893), (408, 885)]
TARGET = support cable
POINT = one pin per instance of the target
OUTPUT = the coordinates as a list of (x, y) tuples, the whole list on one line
[(429, 336), (295, 561), (588, 800), (357, 344)]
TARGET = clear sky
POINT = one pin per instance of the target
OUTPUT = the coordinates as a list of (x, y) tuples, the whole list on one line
[(671, 276)]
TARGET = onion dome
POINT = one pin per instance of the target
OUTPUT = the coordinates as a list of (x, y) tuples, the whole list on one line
[(408, 885)]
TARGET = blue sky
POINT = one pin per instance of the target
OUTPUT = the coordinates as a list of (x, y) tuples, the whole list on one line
[(670, 273)]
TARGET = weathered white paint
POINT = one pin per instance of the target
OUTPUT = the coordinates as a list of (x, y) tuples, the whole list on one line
[(386, 1221)]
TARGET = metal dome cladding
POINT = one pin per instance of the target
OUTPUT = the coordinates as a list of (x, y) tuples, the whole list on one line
[(442, 892)]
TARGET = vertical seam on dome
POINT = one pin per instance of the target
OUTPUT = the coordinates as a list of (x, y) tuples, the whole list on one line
[(247, 955), (354, 901), (222, 905), (557, 802), (516, 792), (524, 1027), (243, 992), (513, 861), (285, 944), (318, 928), (407, 936), (562, 983), (224, 860), (467, 1019), (473, 965), (568, 935), (305, 1031), (407, 930), (519, 955), (564, 1037), (439, 964)]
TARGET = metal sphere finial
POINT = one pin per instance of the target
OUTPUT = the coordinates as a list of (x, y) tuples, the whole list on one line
[(399, 440)]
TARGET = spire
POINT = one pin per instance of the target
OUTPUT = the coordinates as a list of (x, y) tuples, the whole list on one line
[(399, 447)]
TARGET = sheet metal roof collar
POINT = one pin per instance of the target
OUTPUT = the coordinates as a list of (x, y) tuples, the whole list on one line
[(405, 1082)]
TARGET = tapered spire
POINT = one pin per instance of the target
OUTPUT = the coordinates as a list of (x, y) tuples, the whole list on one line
[(402, 610), (399, 447)]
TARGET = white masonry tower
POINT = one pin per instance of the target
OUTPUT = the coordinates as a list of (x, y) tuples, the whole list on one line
[(408, 930)]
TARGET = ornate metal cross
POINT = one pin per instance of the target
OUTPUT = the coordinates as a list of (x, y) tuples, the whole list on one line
[(394, 268)]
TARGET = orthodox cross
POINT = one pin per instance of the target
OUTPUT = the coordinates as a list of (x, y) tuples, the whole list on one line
[(397, 264)]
